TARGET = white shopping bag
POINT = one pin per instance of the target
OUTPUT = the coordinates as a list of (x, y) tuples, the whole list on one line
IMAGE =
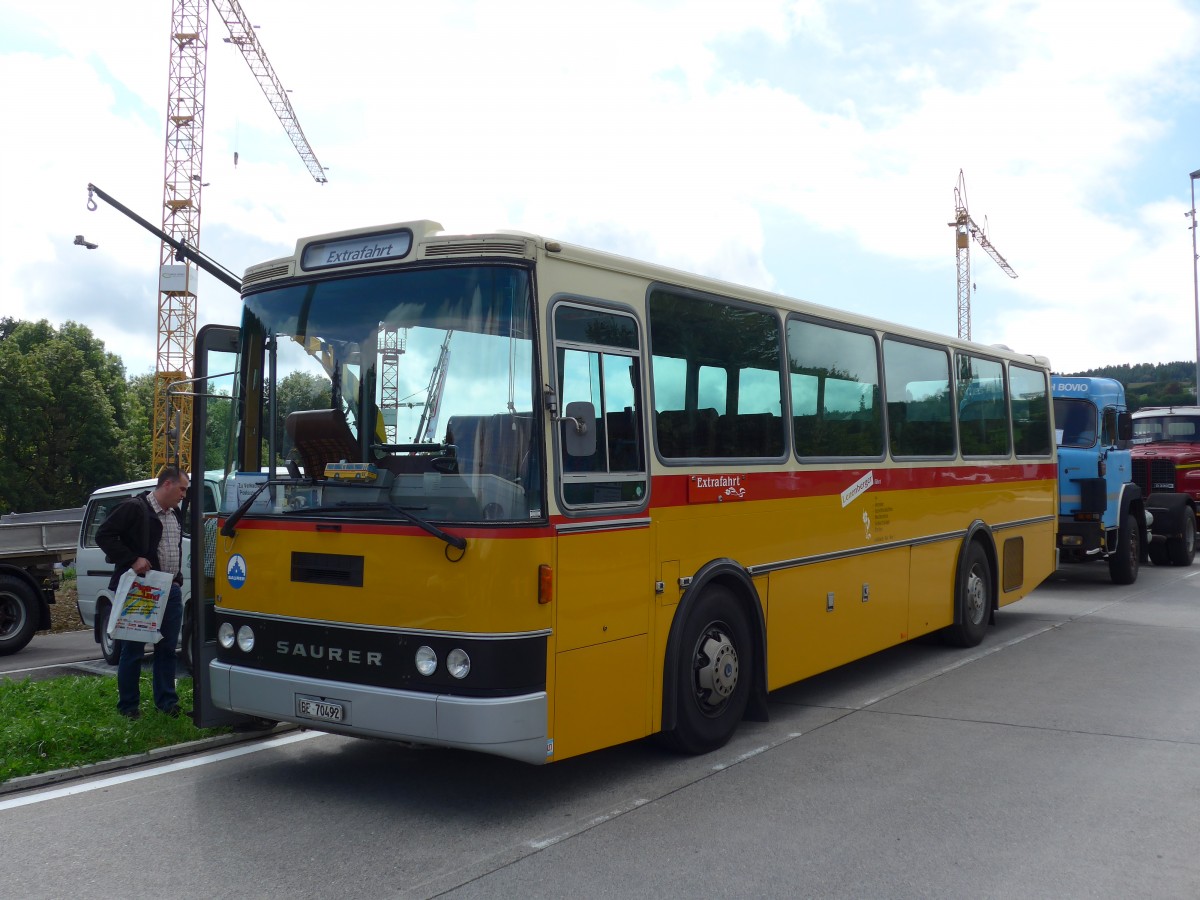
[(138, 606)]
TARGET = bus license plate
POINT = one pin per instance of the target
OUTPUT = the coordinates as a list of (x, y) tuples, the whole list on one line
[(320, 709)]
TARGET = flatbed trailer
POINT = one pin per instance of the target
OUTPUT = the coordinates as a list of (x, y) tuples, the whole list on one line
[(33, 547)]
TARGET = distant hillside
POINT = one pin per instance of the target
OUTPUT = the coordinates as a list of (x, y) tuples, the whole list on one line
[(1152, 384)]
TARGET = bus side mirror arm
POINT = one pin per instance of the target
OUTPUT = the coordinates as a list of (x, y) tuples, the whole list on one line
[(581, 425)]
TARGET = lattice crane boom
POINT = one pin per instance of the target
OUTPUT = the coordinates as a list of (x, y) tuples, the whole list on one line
[(182, 187), (242, 36), (966, 230)]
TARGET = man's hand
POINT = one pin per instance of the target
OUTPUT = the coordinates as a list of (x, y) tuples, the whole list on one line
[(141, 565)]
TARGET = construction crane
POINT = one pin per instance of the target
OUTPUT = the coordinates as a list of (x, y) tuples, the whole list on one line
[(965, 230), (182, 185), (427, 426)]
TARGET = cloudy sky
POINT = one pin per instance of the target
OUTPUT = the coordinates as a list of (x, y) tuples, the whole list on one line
[(810, 147)]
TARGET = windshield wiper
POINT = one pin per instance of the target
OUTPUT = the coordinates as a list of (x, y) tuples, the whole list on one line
[(458, 543), (229, 529)]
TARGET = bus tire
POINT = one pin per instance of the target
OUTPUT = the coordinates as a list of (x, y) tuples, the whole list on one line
[(714, 673), (1123, 564), (109, 649), (973, 599), (20, 607), (1182, 549)]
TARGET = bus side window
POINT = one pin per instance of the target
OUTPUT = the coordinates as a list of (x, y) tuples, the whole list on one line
[(920, 421), (836, 408), (1030, 401)]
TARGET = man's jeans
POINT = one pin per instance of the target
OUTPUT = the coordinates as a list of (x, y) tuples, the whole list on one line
[(129, 667)]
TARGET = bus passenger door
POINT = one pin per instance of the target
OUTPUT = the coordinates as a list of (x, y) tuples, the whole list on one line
[(603, 573), (215, 386)]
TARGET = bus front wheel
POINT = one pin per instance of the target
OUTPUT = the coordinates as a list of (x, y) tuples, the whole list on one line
[(973, 598), (714, 673)]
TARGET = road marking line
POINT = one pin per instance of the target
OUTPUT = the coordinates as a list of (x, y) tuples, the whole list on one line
[(190, 763)]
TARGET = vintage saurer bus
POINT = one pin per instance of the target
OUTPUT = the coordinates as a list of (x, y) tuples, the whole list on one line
[(503, 493)]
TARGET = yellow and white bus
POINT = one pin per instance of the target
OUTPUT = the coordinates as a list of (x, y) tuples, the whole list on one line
[(502, 493)]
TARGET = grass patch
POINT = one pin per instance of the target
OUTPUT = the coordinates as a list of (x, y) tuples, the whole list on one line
[(73, 721)]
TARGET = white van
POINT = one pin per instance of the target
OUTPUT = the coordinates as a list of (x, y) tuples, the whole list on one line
[(92, 571)]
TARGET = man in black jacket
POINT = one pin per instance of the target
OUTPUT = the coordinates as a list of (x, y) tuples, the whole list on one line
[(144, 533)]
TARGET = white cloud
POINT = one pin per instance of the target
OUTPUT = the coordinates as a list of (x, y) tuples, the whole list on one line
[(664, 129)]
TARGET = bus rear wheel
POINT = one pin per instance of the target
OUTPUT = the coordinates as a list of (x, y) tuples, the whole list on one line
[(713, 675), (973, 598)]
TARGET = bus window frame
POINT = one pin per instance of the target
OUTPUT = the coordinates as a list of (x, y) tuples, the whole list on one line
[(879, 386), (637, 354), (779, 314), (947, 351)]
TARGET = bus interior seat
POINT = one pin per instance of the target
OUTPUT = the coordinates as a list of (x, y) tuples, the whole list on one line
[(750, 434), (684, 433), (320, 437), (624, 444), (490, 445)]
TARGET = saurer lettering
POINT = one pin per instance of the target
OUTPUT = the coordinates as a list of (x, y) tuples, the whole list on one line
[(333, 654)]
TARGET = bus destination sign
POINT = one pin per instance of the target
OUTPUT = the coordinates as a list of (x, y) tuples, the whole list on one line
[(363, 248)]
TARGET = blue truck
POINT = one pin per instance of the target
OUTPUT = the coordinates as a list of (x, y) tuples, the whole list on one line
[(1102, 512)]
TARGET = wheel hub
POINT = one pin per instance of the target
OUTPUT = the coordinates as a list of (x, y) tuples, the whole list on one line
[(976, 597), (716, 668)]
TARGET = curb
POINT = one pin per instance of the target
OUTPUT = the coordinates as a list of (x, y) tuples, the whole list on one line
[(150, 757)]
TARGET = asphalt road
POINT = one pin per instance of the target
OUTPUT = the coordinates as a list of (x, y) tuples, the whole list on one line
[(48, 652), (1061, 758)]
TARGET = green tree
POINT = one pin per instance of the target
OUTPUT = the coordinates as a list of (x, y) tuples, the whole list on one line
[(137, 438), (62, 415)]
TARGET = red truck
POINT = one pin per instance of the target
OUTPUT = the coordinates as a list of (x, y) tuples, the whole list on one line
[(1166, 465)]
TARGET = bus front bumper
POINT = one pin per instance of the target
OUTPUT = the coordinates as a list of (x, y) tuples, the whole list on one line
[(513, 727)]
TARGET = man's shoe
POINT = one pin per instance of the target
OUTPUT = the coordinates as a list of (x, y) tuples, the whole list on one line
[(175, 711), (130, 713)]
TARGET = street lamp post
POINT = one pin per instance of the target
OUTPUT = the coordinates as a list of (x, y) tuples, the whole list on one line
[(1195, 282)]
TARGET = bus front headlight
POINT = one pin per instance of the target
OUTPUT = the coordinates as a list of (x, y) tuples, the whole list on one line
[(245, 638), (225, 635), (458, 663), (426, 660)]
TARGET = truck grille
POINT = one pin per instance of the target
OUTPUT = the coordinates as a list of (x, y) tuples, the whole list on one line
[(1154, 476)]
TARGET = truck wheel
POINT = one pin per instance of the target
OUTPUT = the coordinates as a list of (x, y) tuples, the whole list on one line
[(1123, 564), (714, 673), (109, 649), (19, 608), (1182, 549), (973, 597)]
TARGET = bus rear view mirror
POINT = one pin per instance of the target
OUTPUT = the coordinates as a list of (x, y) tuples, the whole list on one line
[(579, 428)]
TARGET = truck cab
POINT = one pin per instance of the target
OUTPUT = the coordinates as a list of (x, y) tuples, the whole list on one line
[(1166, 465), (1101, 513)]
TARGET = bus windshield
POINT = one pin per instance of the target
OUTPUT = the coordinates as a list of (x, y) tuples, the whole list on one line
[(395, 392)]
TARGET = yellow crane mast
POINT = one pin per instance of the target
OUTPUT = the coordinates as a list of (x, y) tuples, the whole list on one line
[(182, 186), (965, 230)]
